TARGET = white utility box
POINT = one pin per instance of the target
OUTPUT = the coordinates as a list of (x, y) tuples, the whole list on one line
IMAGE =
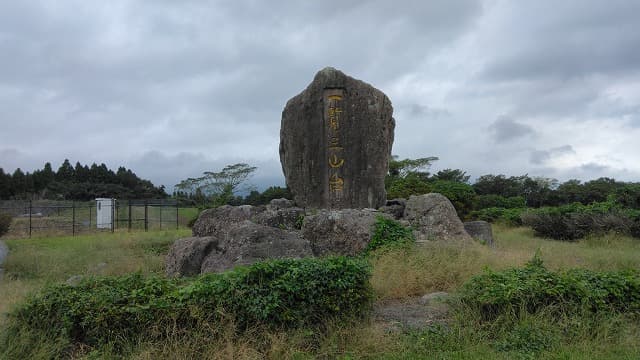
[(104, 213)]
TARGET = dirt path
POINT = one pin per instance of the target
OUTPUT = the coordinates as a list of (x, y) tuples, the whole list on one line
[(414, 313)]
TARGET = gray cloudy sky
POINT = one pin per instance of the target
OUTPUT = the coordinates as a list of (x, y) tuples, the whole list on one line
[(174, 88)]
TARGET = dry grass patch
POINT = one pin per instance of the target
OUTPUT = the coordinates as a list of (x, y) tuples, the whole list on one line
[(441, 266)]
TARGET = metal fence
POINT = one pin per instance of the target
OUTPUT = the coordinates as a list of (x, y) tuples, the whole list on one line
[(46, 217)]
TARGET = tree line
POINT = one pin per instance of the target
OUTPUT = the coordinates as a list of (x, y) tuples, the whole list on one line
[(79, 182), (412, 177)]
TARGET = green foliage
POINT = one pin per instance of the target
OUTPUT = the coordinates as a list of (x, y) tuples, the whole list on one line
[(496, 214), (628, 196), (262, 198), (215, 188), (281, 293), (408, 177), (403, 168), (5, 223), (496, 201), (534, 288), (406, 186), (460, 194), (79, 183), (456, 175), (389, 233), (575, 221)]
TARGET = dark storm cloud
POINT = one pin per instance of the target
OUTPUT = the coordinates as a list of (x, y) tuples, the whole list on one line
[(506, 129), (174, 88), (196, 77)]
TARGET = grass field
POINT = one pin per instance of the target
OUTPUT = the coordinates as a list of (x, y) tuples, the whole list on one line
[(397, 274), (61, 221)]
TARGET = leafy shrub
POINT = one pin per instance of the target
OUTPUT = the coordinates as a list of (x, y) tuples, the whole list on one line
[(406, 186), (389, 232), (5, 223), (575, 221), (287, 293), (533, 288), (497, 201), (494, 214)]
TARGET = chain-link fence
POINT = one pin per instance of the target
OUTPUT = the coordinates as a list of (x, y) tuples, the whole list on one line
[(47, 217)]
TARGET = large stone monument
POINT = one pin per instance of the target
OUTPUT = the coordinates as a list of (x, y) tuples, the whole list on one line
[(335, 143)]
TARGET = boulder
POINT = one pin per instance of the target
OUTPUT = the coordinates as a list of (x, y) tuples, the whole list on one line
[(282, 203), (480, 230), (394, 208), (248, 242), (217, 221), (434, 218), (335, 143), (340, 232), (289, 218), (186, 255)]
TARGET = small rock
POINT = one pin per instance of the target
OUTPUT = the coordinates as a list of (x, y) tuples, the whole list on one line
[(433, 297), (186, 255), (100, 268), (480, 230), (75, 280), (394, 208), (277, 204)]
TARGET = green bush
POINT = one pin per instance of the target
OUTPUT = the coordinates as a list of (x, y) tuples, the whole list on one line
[(280, 293), (496, 201), (534, 288), (405, 187), (494, 214), (389, 233), (5, 223), (575, 221)]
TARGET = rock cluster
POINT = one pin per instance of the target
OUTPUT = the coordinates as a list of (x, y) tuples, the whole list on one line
[(241, 235)]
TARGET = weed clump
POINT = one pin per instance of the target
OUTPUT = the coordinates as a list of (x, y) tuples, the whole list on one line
[(5, 223), (276, 294), (534, 288), (389, 233)]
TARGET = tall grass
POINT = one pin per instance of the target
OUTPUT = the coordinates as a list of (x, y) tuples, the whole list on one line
[(397, 274), (34, 262), (440, 266)]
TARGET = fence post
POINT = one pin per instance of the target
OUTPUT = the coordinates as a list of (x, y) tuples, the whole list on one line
[(177, 217), (89, 216), (117, 216), (146, 216), (73, 218), (129, 215), (30, 211), (113, 214)]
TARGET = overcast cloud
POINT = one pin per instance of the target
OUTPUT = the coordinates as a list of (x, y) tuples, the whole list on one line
[(174, 88)]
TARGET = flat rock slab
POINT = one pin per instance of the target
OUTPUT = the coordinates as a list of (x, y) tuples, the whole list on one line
[(411, 314)]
